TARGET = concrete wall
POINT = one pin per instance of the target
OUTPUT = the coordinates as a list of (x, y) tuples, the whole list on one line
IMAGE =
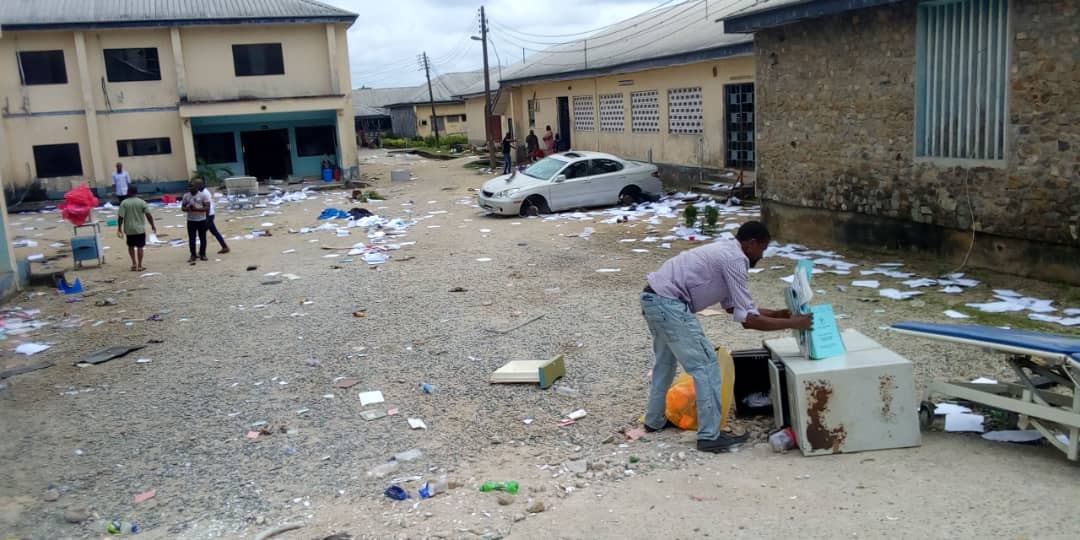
[(95, 113), (423, 113), (704, 149), (835, 125)]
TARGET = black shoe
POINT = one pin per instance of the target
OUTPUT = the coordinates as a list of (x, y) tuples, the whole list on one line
[(722, 443), (667, 424), (203, 258)]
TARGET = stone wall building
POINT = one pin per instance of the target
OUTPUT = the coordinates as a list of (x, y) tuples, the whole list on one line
[(922, 126)]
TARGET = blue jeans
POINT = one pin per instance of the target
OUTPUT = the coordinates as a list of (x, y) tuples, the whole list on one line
[(677, 337), (507, 166)]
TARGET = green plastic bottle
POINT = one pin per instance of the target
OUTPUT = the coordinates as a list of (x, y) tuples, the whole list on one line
[(510, 487)]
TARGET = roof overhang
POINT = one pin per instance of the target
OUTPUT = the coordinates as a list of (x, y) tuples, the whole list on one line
[(715, 53), (345, 19), (424, 103), (792, 13)]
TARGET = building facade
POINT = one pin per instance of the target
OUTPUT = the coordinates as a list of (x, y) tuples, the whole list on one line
[(661, 87), (947, 127), (263, 90)]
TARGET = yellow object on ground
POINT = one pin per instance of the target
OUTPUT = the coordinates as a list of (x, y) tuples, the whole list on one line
[(681, 408)]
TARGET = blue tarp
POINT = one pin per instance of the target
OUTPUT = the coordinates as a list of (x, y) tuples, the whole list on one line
[(333, 213)]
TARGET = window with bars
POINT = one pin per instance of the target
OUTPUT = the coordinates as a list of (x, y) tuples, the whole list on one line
[(584, 117), (684, 110), (961, 79), (645, 111), (612, 115)]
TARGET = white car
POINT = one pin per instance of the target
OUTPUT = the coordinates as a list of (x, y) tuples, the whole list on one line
[(570, 180)]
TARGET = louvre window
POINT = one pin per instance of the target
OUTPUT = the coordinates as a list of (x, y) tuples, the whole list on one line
[(961, 79), (144, 147), (258, 59), (42, 67), (124, 65)]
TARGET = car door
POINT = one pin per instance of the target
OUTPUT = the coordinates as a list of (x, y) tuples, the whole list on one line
[(606, 180), (573, 192)]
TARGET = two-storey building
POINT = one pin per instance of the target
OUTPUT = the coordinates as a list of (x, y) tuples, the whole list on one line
[(261, 87)]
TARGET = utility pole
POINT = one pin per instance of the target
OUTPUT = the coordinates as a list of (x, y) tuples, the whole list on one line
[(487, 91), (431, 96)]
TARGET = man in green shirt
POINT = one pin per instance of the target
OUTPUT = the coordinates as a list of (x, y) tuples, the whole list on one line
[(130, 222)]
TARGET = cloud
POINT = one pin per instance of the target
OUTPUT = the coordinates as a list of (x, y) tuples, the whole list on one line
[(389, 35)]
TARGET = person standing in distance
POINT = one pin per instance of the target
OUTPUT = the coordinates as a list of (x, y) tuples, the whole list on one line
[(196, 203), (684, 285), (120, 181), (507, 145), (131, 221), (210, 226)]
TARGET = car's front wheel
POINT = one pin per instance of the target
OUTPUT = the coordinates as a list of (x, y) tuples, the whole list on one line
[(534, 206)]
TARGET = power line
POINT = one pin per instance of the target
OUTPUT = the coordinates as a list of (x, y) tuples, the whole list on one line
[(609, 40), (584, 32)]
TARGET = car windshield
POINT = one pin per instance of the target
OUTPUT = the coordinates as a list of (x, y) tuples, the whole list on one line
[(545, 168)]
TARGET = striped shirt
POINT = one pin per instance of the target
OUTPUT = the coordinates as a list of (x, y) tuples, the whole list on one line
[(711, 274)]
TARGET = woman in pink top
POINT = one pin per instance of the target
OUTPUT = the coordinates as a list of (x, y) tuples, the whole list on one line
[(549, 142)]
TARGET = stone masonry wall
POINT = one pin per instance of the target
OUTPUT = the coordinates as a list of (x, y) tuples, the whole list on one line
[(835, 124)]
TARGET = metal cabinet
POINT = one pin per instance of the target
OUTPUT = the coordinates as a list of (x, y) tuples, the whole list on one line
[(861, 400)]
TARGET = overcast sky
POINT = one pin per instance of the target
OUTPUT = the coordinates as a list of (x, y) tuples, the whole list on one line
[(389, 34)]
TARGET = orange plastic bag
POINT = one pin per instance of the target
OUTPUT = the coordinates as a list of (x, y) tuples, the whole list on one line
[(77, 204), (681, 401)]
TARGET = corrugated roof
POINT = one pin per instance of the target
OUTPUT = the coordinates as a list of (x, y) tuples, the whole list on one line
[(48, 14), (681, 33), (373, 101), (772, 13)]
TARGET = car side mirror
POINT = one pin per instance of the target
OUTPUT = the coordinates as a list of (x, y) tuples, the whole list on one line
[(561, 178)]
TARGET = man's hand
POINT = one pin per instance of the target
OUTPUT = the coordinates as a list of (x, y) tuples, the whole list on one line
[(801, 322), (119, 233), (775, 313)]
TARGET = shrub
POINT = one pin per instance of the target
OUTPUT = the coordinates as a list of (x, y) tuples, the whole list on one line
[(690, 215), (712, 215)]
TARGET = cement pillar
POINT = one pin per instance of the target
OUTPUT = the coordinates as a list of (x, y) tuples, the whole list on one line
[(331, 49), (178, 63), (346, 134), (94, 136), (188, 143)]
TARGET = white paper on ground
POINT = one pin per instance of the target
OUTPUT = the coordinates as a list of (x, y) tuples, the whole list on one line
[(1071, 312), (756, 270), (416, 423), (484, 259), (897, 294), (868, 283), (1013, 435), (952, 289), (955, 314), (608, 270), (921, 282), (984, 380), (950, 408), (1007, 292), (31, 348), (1064, 321), (368, 398), (964, 422)]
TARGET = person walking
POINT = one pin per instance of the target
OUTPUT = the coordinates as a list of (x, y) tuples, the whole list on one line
[(120, 181), (507, 145), (684, 285), (196, 203), (549, 142), (131, 222), (211, 227), (532, 145)]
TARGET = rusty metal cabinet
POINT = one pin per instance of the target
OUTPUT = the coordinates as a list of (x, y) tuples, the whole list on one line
[(861, 400)]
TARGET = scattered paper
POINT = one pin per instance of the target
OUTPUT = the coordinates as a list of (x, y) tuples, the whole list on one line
[(867, 283), (952, 314), (484, 259), (897, 294), (31, 348), (416, 423), (372, 415), (946, 408), (144, 496), (964, 422), (150, 274), (369, 398), (608, 270), (952, 289), (984, 380), (1013, 435), (290, 277)]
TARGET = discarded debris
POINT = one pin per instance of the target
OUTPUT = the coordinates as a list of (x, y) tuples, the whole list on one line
[(370, 398), (544, 372), (105, 355)]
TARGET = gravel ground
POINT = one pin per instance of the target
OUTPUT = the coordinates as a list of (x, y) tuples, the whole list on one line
[(219, 364)]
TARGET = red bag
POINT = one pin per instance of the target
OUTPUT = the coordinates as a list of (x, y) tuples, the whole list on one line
[(77, 204), (168, 199)]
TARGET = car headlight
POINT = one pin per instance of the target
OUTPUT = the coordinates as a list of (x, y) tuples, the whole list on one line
[(506, 193)]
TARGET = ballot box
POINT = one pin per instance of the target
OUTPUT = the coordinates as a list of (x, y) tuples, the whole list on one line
[(863, 399)]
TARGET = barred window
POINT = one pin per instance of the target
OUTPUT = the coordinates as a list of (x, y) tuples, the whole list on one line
[(645, 111), (612, 115), (961, 79), (584, 116), (684, 110)]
